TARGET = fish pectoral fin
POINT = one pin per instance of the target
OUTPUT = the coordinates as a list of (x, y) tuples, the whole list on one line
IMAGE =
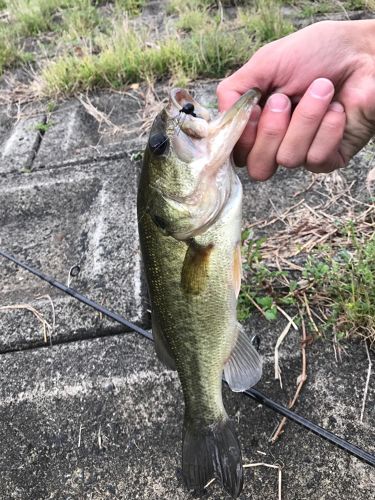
[(161, 347), (194, 273), (244, 367)]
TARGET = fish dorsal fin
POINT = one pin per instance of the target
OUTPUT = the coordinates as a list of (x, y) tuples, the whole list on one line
[(244, 367), (237, 269), (161, 347), (194, 273)]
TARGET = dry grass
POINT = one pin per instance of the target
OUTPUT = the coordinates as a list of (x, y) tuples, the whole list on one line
[(321, 259)]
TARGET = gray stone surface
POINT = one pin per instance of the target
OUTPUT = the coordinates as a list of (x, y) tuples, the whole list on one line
[(83, 215), (102, 419), (19, 141), (75, 134)]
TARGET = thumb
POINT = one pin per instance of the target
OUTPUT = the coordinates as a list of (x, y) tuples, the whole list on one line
[(259, 72)]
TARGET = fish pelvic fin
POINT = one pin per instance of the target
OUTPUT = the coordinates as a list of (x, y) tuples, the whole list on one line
[(209, 452), (194, 273), (244, 367), (162, 349)]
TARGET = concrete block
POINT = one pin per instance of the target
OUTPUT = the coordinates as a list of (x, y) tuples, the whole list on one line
[(103, 419), (83, 215), (20, 142), (75, 134)]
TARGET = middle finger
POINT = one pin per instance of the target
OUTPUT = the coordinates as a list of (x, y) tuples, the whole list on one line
[(305, 123)]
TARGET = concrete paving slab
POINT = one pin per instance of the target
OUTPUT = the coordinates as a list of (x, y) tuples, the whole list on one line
[(20, 141), (106, 125), (102, 419), (82, 216), (70, 129)]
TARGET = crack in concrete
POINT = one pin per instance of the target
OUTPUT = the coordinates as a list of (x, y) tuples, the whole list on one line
[(37, 143), (94, 160)]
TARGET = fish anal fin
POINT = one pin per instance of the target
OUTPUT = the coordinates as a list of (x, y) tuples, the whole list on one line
[(244, 367), (194, 273), (237, 269), (161, 347)]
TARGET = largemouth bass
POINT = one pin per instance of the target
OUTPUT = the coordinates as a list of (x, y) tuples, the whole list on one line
[(189, 216)]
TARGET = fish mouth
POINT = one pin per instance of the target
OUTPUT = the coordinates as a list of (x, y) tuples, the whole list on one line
[(228, 127), (201, 138)]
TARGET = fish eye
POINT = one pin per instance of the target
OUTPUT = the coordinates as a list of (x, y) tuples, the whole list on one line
[(158, 221), (158, 143)]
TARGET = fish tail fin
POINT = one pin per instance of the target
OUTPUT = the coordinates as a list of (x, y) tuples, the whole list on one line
[(212, 451)]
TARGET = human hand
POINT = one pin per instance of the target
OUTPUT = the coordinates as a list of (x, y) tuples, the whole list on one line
[(320, 88)]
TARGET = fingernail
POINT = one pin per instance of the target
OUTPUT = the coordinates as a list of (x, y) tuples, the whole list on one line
[(278, 102), (336, 106), (320, 88)]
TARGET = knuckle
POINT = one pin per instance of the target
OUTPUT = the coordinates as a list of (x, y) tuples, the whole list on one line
[(221, 88), (261, 173), (310, 116), (331, 124), (288, 159), (316, 158), (270, 131)]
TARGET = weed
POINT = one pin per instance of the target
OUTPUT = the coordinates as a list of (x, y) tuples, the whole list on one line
[(51, 106), (133, 7), (192, 20), (43, 127), (126, 56), (308, 9), (97, 51), (267, 23), (10, 54), (339, 286), (81, 19), (31, 17)]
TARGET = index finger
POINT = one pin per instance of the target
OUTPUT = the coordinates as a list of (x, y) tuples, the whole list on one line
[(226, 96), (255, 73)]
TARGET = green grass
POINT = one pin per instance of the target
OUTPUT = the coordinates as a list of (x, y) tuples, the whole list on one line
[(267, 22), (31, 17), (94, 50), (43, 127), (340, 286), (26, 19), (125, 56), (81, 19), (309, 9), (64, 21)]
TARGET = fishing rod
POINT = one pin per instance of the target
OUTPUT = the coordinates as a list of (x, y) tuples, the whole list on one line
[(251, 393)]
